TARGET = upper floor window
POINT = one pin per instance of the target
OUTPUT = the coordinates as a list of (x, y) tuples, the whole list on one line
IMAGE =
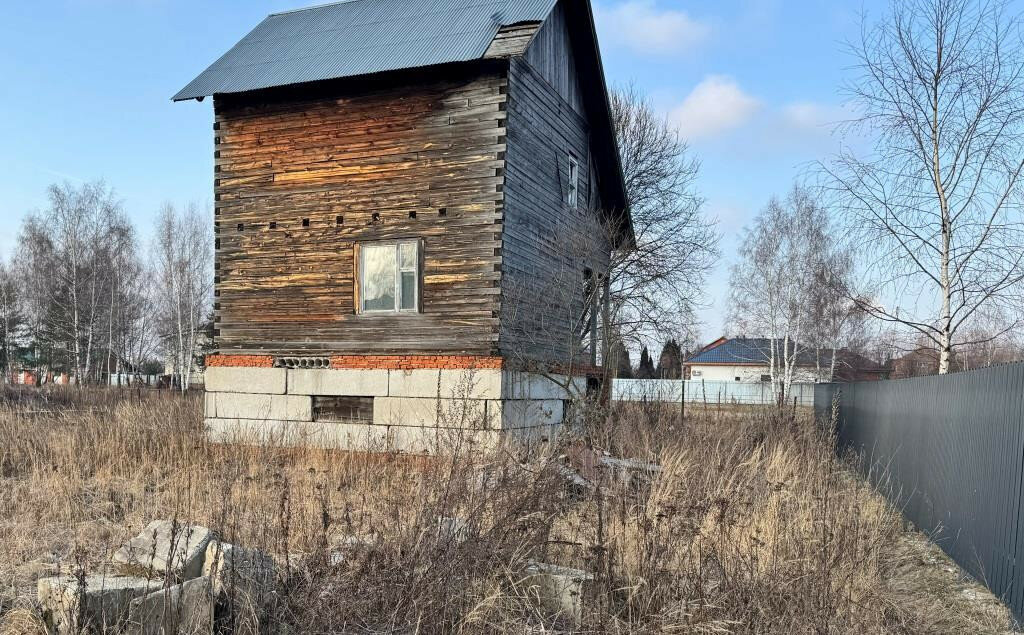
[(389, 276), (574, 182)]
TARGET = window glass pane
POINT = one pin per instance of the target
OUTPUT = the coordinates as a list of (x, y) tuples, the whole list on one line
[(378, 265), (408, 290), (408, 256)]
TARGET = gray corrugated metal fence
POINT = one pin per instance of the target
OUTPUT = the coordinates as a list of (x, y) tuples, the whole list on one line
[(713, 392), (948, 451)]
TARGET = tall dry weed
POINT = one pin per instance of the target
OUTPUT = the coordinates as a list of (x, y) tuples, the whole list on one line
[(752, 524)]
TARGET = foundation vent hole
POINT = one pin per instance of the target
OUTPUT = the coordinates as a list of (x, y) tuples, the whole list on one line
[(302, 362), (343, 409), (305, 222)]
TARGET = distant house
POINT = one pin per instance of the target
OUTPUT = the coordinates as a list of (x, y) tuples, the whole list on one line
[(410, 197), (746, 359)]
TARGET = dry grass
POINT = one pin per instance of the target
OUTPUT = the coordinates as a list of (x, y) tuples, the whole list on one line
[(753, 526)]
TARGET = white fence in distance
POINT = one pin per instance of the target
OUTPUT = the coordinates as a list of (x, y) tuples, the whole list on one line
[(712, 392)]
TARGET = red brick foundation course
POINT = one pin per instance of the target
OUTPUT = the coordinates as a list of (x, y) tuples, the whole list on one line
[(240, 361), (413, 362), (375, 362)]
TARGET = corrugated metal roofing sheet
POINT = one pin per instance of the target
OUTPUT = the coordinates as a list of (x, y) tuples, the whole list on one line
[(747, 350), (360, 37)]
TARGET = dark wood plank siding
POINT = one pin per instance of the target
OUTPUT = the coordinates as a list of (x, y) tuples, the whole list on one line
[(319, 168), (551, 55), (546, 245)]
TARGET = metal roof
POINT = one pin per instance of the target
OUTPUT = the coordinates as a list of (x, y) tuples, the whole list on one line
[(750, 350), (360, 37)]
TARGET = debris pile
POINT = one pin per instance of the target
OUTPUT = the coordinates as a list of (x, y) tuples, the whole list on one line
[(171, 578)]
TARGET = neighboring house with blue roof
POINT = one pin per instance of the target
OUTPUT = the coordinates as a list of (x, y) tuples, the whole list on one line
[(749, 359)]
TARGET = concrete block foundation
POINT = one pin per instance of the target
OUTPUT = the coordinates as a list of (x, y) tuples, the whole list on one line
[(411, 410)]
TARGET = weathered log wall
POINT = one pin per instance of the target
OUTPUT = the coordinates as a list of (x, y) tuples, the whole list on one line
[(548, 244), (303, 176)]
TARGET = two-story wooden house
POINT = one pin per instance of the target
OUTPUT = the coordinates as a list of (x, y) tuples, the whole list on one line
[(415, 206)]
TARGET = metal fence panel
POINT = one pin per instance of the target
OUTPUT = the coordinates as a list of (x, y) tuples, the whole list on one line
[(712, 392), (949, 452)]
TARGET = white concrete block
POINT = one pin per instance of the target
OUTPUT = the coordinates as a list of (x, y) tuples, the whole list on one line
[(521, 385), (414, 383), (268, 381), (525, 413), (98, 603), (210, 404), (320, 434), (440, 441), (339, 383), (273, 407), (416, 411), (186, 608), (472, 383), (165, 546)]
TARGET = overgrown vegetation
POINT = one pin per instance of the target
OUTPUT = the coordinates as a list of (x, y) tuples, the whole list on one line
[(752, 526)]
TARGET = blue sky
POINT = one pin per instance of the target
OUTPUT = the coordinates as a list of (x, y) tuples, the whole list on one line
[(86, 87)]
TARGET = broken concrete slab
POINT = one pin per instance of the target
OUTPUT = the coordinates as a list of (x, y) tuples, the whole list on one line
[(166, 547), (227, 564), (92, 603), (452, 530), (245, 578), (183, 609), (560, 590)]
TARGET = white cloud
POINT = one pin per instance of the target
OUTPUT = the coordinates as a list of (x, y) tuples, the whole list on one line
[(715, 105), (811, 115), (644, 28)]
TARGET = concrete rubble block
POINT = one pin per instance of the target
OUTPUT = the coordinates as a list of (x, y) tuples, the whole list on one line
[(339, 383), (424, 382), (634, 474), (166, 547), (426, 412), (95, 603), (560, 590), (471, 383), (528, 413), (320, 434), (183, 609), (245, 580), (272, 407), (452, 530), (267, 381)]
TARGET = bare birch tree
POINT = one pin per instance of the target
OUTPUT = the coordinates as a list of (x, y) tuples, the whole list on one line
[(184, 276), (67, 273), (935, 208), (774, 285), (658, 284), (10, 320)]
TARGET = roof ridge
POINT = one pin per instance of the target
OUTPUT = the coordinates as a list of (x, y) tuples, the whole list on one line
[(309, 8)]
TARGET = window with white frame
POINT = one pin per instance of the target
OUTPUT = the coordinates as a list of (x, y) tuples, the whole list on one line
[(574, 182), (389, 277)]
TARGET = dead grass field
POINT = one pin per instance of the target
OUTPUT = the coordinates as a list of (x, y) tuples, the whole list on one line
[(752, 527)]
